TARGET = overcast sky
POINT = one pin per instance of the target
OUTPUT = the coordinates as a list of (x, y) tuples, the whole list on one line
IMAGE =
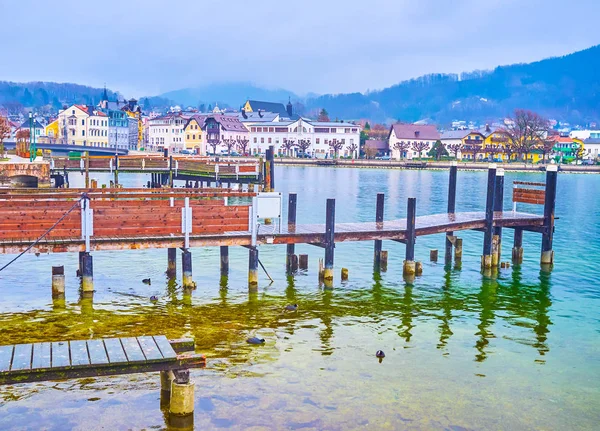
[(325, 46)]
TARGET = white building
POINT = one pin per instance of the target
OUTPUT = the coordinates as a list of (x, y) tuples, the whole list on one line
[(403, 138), (317, 135), (167, 132)]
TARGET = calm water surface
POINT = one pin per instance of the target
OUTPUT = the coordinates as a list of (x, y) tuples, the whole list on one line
[(462, 351)]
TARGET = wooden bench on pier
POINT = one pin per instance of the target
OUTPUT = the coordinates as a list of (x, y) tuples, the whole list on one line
[(61, 360)]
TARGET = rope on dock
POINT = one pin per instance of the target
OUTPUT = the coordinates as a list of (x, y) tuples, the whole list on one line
[(75, 205)]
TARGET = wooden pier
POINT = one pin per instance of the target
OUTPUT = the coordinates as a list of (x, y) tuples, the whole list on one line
[(88, 220), (163, 170)]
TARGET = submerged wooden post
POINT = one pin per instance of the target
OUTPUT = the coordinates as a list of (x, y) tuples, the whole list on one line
[(329, 242), (547, 257), (58, 281), (344, 274), (87, 273), (409, 261), (383, 261), (303, 261), (498, 208), (186, 264), (291, 248), (171, 262), (458, 249), (486, 258), (517, 251), (253, 268), (224, 260), (166, 379), (378, 220), (451, 209)]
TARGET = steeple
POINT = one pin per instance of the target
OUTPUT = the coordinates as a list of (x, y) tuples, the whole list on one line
[(289, 107), (105, 94)]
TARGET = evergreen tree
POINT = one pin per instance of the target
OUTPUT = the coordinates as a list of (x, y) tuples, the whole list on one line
[(323, 116), (367, 126)]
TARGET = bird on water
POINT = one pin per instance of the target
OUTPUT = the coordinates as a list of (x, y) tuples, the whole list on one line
[(291, 307), (154, 298), (255, 340), (147, 281), (380, 355)]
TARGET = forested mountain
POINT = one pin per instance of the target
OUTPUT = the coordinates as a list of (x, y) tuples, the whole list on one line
[(566, 88), (15, 95)]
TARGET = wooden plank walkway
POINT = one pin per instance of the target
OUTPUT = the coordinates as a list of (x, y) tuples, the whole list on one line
[(301, 233), (98, 357)]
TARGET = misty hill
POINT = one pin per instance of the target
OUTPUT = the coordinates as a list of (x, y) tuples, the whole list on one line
[(38, 94), (227, 94), (566, 88)]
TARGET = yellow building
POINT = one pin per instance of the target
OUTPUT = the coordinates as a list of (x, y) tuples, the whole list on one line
[(82, 125), (52, 131), (194, 135)]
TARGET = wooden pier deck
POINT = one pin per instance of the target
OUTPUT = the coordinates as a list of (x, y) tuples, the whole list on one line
[(395, 230)]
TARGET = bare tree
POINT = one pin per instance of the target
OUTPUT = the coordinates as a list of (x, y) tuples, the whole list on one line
[(229, 144), (419, 147), (353, 148), (547, 146), (472, 149), (242, 145), (22, 144), (5, 130), (214, 143), (525, 132), (402, 147), (336, 146), (370, 151), (455, 148), (492, 150), (288, 144), (303, 145)]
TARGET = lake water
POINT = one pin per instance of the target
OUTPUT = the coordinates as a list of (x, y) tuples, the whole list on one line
[(463, 352)]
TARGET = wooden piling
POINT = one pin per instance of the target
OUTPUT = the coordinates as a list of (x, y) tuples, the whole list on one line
[(291, 248), (87, 169), (252, 269), (344, 274), (171, 262), (272, 167), (409, 261), (171, 171), (329, 241), (87, 273), (451, 209), (303, 261), (58, 281), (224, 260), (486, 257), (383, 260), (166, 379), (186, 264), (433, 255), (294, 266), (498, 208), (495, 250), (458, 249), (547, 257), (517, 251), (418, 268), (378, 220), (321, 269)]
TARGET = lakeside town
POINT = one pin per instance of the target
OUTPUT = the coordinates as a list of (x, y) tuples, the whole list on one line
[(124, 125)]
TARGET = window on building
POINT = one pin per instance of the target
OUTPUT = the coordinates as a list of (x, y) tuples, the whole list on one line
[(188, 137), (262, 140), (255, 140), (271, 129), (83, 122), (269, 140), (333, 130), (317, 140)]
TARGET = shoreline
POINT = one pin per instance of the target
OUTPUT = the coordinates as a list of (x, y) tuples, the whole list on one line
[(393, 164)]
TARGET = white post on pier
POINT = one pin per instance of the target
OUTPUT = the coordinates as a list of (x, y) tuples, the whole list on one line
[(186, 222), (87, 222)]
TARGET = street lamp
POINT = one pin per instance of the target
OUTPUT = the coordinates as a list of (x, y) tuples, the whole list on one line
[(32, 146)]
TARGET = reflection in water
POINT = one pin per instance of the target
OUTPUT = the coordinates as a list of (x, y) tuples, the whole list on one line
[(541, 317), (326, 334), (487, 299), (406, 313), (446, 308)]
